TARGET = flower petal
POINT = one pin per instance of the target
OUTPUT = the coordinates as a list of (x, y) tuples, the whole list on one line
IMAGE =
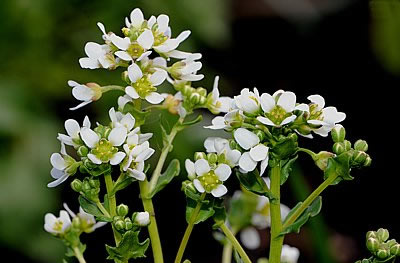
[(82, 92), (264, 164), (267, 102), (58, 181), (233, 157), (136, 18), (136, 174), (189, 165), (259, 152), (132, 93), (80, 105), (288, 120), (117, 136), (247, 163), (317, 99), (123, 55), (58, 161), (183, 36), (154, 98), (72, 127), (162, 21), (245, 138), (146, 39), (223, 172), (287, 101), (209, 144), (119, 42), (128, 121), (89, 137), (198, 185), (303, 107), (94, 158), (266, 121), (250, 238), (117, 158), (158, 77), (219, 191), (93, 50), (134, 73), (202, 167), (90, 63)]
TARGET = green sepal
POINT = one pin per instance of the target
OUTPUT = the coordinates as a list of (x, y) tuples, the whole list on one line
[(95, 170), (285, 147), (339, 166), (241, 210), (121, 184), (287, 168), (190, 191), (311, 211), (139, 115), (91, 208), (128, 248), (254, 183), (166, 177), (206, 210)]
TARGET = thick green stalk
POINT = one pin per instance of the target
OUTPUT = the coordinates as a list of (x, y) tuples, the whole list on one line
[(112, 202), (152, 228), (227, 251), (189, 229), (102, 209), (309, 200), (231, 237), (79, 255), (276, 221)]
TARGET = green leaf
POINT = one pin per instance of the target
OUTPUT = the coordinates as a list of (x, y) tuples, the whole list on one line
[(253, 182), (339, 166), (287, 168), (128, 248), (121, 185), (311, 211), (206, 210), (219, 208), (89, 207), (140, 116), (169, 174)]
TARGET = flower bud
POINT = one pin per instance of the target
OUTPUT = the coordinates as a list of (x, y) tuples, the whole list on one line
[(202, 92), (141, 218), (76, 223), (371, 234), (321, 159), (212, 158), (372, 244), (260, 134), (76, 185), (338, 148), (382, 234), (128, 224), (199, 155), (367, 161), (203, 100), (359, 157), (83, 151), (122, 210), (361, 145), (94, 183), (125, 77), (338, 133), (86, 186), (125, 31), (195, 98), (395, 250), (119, 224), (188, 186), (365, 261), (233, 144), (347, 145), (96, 88), (382, 253)]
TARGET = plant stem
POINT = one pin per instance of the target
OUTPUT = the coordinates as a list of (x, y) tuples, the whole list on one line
[(79, 255), (309, 152), (112, 87), (152, 228), (166, 149), (234, 242), (309, 200), (189, 229), (227, 251), (112, 202), (103, 209), (276, 221)]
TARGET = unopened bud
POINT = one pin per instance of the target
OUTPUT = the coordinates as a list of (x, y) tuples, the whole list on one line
[(382, 253), (141, 218), (76, 185), (338, 133), (233, 144), (365, 261), (125, 31), (86, 186), (212, 158), (199, 155), (125, 77), (119, 225), (202, 92), (195, 98), (395, 250), (372, 244), (347, 145), (361, 145), (203, 100), (76, 222), (382, 234), (359, 157), (371, 234), (128, 224), (122, 210), (94, 183), (338, 148), (368, 161), (321, 159), (260, 134), (188, 186), (83, 151)]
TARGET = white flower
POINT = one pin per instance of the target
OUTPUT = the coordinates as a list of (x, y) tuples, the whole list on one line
[(219, 122), (142, 218), (63, 167), (247, 101), (144, 86), (289, 254), (219, 104), (87, 221), (186, 70), (85, 93), (133, 50), (118, 119), (98, 56), (136, 155), (102, 150), (136, 19), (257, 152), (57, 225), (73, 129), (278, 108), (250, 238), (210, 180), (221, 146)]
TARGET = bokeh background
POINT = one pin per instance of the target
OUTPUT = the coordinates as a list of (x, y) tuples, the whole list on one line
[(346, 50)]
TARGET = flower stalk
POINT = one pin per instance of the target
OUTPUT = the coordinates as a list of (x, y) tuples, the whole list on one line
[(79, 255), (112, 202), (235, 243)]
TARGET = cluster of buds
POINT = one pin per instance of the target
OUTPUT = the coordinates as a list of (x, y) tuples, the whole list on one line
[(89, 188), (359, 156), (381, 247), (122, 223)]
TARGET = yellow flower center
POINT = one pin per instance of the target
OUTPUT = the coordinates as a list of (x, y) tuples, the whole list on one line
[(209, 181), (104, 150), (144, 87), (277, 115)]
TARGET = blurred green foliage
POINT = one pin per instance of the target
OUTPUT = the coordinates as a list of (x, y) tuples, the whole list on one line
[(41, 41)]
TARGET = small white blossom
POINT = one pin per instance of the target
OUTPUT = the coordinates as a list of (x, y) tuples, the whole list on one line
[(73, 129), (250, 238), (143, 86), (57, 225), (210, 179), (105, 150), (118, 119), (142, 219), (289, 254), (225, 122), (98, 56), (63, 167), (85, 93), (221, 146), (133, 50), (247, 101), (136, 155), (278, 108), (219, 104), (257, 152), (87, 221), (186, 70)]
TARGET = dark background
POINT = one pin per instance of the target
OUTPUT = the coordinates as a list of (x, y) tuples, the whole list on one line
[(346, 51)]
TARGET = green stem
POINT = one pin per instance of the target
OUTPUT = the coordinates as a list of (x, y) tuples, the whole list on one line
[(234, 242), (152, 228), (105, 89), (276, 221), (79, 255), (309, 200), (103, 209), (189, 229), (311, 153), (227, 251), (166, 149), (112, 202)]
